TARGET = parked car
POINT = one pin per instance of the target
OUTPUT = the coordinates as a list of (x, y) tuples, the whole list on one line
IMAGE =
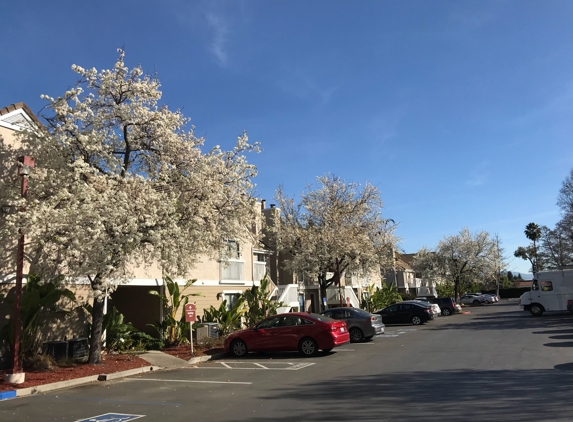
[(361, 325), (447, 305), (436, 311), (473, 299), (491, 298), (406, 313), (300, 331)]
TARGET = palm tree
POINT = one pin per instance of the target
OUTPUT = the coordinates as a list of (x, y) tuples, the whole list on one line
[(533, 233)]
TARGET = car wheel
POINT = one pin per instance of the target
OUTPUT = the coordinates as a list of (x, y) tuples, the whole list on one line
[(239, 348), (476, 302), (446, 312), (416, 320), (536, 310), (308, 347), (327, 350), (356, 335)]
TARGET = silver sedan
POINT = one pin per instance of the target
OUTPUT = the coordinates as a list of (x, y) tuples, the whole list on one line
[(361, 325)]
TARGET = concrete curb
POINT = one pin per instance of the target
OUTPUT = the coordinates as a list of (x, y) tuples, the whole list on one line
[(55, 386), (22, 392), (128, 373), (206, 358)]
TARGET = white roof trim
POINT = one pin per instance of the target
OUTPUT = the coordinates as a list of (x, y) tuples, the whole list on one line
[(17, 120)]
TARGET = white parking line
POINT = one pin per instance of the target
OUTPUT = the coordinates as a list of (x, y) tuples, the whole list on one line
[(246, 365), (187, 381), (344, 350)]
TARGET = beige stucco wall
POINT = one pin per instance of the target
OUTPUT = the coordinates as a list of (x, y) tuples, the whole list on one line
[(7, 136), (143, 309)]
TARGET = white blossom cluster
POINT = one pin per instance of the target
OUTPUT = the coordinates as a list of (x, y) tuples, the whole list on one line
[(121, 182), (465, 256), (335, 228)]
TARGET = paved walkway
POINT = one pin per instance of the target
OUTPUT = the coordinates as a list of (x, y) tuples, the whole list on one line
[(163, 360)]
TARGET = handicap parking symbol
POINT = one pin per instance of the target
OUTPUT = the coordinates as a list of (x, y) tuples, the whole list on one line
[(111, 417)]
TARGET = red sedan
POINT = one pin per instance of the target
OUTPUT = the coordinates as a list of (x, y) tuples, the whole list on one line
[(300, 331)]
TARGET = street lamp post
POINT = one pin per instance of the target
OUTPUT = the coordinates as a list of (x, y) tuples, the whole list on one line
[(16, 374)]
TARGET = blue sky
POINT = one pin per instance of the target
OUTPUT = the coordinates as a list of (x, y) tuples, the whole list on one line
[(459, 111)]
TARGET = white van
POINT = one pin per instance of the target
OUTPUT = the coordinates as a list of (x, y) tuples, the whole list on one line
[(549, 292)]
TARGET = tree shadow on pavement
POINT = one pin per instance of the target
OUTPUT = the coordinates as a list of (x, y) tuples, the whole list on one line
[(441, 396), (510, 320)]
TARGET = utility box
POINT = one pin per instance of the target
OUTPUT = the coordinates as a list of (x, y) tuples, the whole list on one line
[(213, 329), (207, 330), (78, 348), (56, 349)]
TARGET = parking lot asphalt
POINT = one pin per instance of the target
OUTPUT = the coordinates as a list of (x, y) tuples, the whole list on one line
[(500, 361)]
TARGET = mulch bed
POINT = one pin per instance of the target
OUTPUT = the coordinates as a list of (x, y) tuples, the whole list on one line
[(109, 365), (184, 351)]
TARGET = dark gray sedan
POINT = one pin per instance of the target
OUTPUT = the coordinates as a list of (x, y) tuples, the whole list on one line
[(361, 325)]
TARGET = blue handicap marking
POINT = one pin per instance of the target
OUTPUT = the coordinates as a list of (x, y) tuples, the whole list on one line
[(111, 417)]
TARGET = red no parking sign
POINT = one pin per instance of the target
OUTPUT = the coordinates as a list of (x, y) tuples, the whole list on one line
[(190, 316), (190, 312)]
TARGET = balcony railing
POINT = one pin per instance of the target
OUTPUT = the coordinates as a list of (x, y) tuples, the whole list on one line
[(288, 294), (333, 296)]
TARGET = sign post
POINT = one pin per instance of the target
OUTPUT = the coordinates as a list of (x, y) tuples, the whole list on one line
[(191, 317)]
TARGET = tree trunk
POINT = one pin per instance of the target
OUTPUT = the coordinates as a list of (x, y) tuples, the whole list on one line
[(98, 306), (457, 289), (96, 332), (322, 296)]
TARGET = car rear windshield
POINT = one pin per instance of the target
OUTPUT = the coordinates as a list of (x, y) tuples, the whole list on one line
[(322, 318), (362, 313)]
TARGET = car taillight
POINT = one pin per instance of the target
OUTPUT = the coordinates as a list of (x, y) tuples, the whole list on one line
[(373, 318), (335, 327), (427, 310), (570, 302)]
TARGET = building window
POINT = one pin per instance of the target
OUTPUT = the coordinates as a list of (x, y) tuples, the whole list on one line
[(231, 298), (232, 249), (231, 263), (259, 267), (232, 270)]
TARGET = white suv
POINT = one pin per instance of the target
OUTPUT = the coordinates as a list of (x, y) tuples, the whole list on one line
[(473, 299)]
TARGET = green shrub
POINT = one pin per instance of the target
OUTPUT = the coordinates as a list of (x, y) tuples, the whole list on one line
[(228, 320), (258, 304), (41, 299), (173, 331), (39, 363), (378, 298)]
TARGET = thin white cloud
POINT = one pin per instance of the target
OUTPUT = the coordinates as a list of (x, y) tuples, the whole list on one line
[(220, 33), (302, 85), (479, 175)]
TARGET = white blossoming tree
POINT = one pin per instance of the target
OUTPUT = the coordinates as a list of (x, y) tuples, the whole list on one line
[(465, 256), (335, 228), (121, 182)]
